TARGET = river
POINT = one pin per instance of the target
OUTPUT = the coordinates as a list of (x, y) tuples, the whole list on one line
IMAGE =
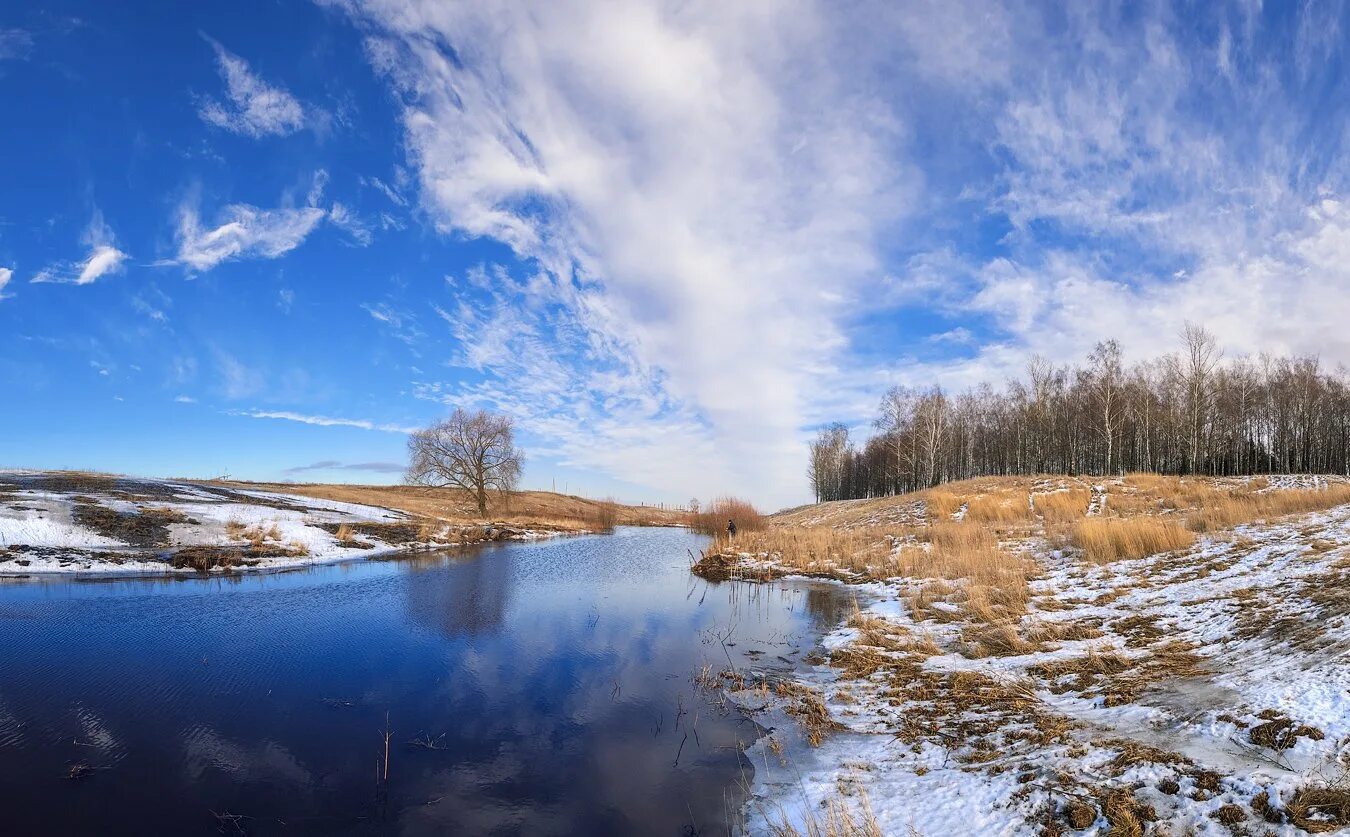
[(540, 688)]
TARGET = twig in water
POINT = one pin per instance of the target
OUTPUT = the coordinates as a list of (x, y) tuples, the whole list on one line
[(79, 770), (426, 742), (233, 822), (387, 735)]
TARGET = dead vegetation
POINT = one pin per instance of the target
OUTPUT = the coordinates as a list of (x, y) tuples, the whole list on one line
[(1116, 677), (1064, 506), (987, 570), (835, 817), (1278, 732), (1106, 539), (712, 519), (605, 517), (538, 510), (144, 527), (1318, 810)]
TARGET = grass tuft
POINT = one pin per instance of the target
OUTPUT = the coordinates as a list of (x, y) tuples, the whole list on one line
[(1107, 539)]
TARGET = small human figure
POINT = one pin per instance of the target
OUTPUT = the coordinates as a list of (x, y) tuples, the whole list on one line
[(731, 528)]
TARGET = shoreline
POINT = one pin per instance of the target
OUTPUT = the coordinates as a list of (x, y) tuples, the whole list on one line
[(159, 569), (55, 524), (1184, 689)]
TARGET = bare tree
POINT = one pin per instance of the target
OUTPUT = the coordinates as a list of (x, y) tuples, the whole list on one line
[(930, 414), (1202, 355), (1105, 381), (1184, 412), (474, 451)]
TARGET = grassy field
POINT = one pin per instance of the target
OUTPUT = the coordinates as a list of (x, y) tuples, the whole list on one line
[(527, 509), (1128, 655)]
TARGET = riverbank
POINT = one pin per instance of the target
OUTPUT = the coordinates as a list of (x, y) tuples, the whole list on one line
[(1061, 656), (69, 522), (531, 688)]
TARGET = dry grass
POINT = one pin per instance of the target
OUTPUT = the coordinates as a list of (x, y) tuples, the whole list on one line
[(835, 818), (1011, 507), (1106, 539), (807, 707), (1320, 810), (1063, 506), (259, 534), (712, 519), (942, 504), (526, 509), (346, 535), (1231, 509), (605, 517), (995, 581)]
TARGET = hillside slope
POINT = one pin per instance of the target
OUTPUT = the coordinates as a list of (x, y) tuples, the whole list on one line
[(521, 508), (64, 522), (1057, 655)]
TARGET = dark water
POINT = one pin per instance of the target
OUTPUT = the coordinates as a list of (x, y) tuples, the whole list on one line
[(554, 681)]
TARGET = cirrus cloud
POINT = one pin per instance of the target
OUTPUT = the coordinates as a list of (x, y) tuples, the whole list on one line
[(252, 107)]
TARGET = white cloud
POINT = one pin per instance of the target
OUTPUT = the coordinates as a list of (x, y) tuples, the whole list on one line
[(104, 258), (185, 399), (349, 222), (6, 274), (705, 186), (242, 231), (253, 107), (316, 187), (15, 44), (714, 191), (236, 379), (325, 421)]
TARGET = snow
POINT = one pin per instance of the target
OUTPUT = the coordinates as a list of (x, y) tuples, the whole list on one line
[(1246, 601), (40, 526), (43, 531)]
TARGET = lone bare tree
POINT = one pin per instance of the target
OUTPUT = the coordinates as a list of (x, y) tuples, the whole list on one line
[(474, 451)]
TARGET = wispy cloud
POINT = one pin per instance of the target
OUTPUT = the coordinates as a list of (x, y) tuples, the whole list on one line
[(104, 258), (242, 231), (336, 465), (252, 107), (237, 380), (324, 421), (6, 274), (15, 44), (715, 194), (342, 217), (703, 202)]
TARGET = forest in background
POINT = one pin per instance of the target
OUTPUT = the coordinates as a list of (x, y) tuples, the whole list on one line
[(1189, 412)]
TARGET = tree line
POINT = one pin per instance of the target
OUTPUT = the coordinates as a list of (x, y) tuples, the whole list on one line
[(1188, 412)]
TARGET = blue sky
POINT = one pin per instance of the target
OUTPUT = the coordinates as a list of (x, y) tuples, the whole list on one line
[(670, 238)]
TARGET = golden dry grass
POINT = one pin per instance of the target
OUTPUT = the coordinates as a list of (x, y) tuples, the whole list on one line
[(993, 583), (1063, 506), (526, 509), (1106, 539), (1004, 508), (712, 519), (1227, 510), (942, 504)]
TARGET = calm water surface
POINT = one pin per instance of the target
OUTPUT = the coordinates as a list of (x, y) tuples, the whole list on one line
[(552, 681)]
